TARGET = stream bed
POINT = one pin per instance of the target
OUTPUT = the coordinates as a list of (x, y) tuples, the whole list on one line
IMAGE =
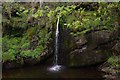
[(43, 72)]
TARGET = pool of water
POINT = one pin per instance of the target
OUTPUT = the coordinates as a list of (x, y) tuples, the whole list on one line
[(42, 71)]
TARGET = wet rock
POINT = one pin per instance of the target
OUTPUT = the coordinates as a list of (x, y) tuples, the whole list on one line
[(12, 64), (31, 61), (98, 37), (110, 77), (87, 57), (80, 41), (111, 73)]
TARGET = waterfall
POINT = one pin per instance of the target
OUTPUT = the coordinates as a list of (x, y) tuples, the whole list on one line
[(56, 45), (56, 67)]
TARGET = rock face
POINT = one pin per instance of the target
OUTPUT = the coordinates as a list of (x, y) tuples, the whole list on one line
[(88, 57), (85, 50), (96, 38), (92, 48)]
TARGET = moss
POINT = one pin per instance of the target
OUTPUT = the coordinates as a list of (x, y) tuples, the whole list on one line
[(114, 61)]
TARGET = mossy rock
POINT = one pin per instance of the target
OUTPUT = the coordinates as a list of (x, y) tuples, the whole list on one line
[(88, 57)]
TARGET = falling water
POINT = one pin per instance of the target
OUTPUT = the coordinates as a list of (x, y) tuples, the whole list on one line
[(56, 49), (40, 2), (56, 67)]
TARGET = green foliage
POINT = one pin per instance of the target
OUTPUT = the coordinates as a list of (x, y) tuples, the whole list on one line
[(21, 46), (30, 32), (25, 46), (32, 53), (34, 21), (86, 20), (22, 12), (10, 43), (51, 13), (39, 13), (28, 53), (10, 48), (44, 37), (113, 61), (8, 56), (14, 9)]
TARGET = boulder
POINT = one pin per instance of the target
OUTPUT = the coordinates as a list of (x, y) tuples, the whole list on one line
[(88, 57), (98, 37), (91, 49)]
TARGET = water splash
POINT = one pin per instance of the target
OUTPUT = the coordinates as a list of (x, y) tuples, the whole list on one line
[(55, 68)]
